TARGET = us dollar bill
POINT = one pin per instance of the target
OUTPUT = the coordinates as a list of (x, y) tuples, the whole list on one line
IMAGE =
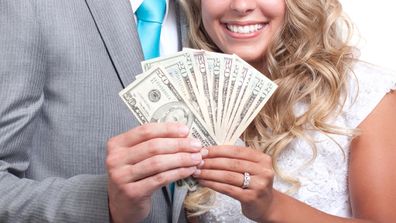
[(264, 92), (201, 64), (229, 89), (239, 90), (214, 67), (154, 98), (226, 68)]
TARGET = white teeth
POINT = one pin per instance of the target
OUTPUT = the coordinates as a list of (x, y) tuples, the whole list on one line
[(245, 29)]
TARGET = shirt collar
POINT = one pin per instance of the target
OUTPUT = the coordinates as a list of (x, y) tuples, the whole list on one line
[(136, 3)]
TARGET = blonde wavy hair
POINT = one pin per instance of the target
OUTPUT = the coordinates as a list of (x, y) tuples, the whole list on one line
[(310, 60)]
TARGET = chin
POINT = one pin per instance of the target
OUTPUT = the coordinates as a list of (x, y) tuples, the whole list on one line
[(250, 55)]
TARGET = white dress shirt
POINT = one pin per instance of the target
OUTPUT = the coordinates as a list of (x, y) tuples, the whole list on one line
[(169, 42)]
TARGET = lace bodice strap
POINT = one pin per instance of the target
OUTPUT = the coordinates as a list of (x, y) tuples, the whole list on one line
[(368, 85)]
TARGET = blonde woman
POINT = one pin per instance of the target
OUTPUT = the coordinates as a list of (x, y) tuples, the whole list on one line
[(324, 146)]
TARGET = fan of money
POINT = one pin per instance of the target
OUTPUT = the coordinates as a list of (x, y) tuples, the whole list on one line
[(216, 95)]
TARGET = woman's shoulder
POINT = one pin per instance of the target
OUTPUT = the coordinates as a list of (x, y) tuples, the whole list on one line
[(367, 85)]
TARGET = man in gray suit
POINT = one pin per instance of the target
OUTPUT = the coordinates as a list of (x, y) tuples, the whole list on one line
[(70, 150)]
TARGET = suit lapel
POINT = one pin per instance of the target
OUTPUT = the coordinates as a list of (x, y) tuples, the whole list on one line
[(117, 28), (181, 25), (116, 25), (180, 190)]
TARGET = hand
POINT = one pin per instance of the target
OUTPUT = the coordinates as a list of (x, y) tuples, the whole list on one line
[(143, 160), (223, 170)]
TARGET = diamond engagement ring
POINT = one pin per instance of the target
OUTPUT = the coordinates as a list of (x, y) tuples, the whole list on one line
[(246, 180)]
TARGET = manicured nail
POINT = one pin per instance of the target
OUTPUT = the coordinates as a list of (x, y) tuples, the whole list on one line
[(204, 152), (196, 143), (196, 157), (183, 130), (201, 164)]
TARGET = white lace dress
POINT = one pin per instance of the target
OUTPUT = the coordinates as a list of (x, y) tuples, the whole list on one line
[(323, 182)]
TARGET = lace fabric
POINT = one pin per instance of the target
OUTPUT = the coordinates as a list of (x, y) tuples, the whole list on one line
[(324, 180)]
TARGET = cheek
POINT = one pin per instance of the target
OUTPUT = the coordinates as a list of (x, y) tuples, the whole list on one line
[(211, 12), (207, 17), (209, 23)]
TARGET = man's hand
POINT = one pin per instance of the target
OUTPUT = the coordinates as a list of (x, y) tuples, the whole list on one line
[(143, 160)]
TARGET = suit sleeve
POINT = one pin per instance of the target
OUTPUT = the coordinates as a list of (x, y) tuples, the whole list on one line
[(82, 198)]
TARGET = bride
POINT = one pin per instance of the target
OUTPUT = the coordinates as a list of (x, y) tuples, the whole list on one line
[(323, 148)]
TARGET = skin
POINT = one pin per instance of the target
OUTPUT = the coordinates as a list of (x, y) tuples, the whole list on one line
[(372, 179), (216, 15), (143, 160)]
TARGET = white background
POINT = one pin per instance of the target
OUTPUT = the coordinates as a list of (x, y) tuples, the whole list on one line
[(376, 24)]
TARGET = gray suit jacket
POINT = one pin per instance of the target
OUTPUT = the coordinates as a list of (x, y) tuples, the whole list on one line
[(62, 64)]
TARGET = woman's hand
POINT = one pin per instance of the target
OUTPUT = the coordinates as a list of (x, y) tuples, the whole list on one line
[(143, 160), (223, 171)]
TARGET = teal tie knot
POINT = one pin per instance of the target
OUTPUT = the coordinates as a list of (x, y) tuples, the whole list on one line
[(150, 16)]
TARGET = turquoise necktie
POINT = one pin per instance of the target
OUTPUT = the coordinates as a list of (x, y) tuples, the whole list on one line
[(150, 15)]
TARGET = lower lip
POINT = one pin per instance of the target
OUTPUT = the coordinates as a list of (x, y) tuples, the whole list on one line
[(244, 35)]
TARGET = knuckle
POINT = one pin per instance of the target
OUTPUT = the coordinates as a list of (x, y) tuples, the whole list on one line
[(266, 159), (153, 147), (160, 179), (129, 192), (111, 144), (261, 184), (111, 161), (269, 173), (145, 130), (155, 164), (229, 178), (115, 177)]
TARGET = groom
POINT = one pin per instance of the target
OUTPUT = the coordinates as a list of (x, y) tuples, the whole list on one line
[(62, 64)]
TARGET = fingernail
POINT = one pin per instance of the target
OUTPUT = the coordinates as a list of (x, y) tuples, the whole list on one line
[(204, 152), (196, 173), (201, 164), (196, 143), (196, 156), (183, 130)]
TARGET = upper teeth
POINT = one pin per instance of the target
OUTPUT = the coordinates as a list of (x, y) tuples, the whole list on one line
[(245, 29)]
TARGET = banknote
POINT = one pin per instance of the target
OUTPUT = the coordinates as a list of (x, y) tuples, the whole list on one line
[(256, 105), (178, 68), (217, 95), (201, 64), (214, 69), (154, 98)]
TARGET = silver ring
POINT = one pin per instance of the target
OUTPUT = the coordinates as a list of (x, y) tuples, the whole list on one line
[(246, 180)]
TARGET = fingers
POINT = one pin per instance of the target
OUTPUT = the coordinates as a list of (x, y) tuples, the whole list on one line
[(155, 147), (220, 176), (230, 190), (234, 165), (161, 163), (148, 131), (237, 152), (152, 183), (224, 166)]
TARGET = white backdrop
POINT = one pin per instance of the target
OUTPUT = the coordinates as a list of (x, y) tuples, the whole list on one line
[(375, 21)]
